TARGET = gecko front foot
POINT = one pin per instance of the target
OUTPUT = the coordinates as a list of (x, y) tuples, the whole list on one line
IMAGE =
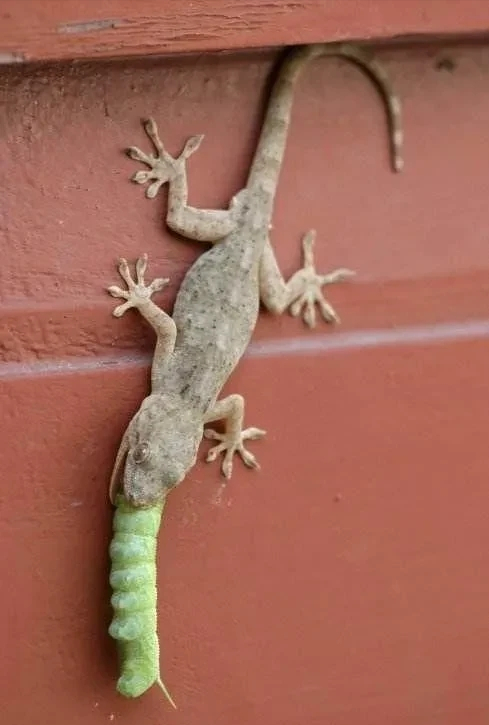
[(138, 292), (305, 286), (163, 167), (231, 443)]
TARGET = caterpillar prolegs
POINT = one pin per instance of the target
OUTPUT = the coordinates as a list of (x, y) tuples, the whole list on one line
[(133, 581)]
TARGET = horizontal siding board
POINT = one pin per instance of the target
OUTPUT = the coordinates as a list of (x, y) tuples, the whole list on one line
[(39, 30)]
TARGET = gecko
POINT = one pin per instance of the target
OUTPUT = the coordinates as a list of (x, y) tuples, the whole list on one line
[(217, 305)]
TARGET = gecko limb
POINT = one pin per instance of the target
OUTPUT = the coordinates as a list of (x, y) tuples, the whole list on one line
[(138, 294), (303, 290), (203, 225), (231, 410), (163, 167)]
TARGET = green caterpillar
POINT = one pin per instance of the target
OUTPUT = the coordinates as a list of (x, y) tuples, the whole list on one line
[(133, 581)]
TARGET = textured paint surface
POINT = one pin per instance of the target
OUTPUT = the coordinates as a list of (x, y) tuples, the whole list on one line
[(345, 582), (34, 30)]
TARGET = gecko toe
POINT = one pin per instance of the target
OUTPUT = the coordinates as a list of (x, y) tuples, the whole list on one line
[(116, 291), (212, 435), (248, 458), (214, 452), (141, 177), (253, 434), (231, 444), (227, 465), (121, 309)]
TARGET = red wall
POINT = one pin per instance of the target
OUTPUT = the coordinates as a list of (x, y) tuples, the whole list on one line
[(346, 582)]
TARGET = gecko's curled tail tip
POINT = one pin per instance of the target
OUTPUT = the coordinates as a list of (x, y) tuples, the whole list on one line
[(398, 164)]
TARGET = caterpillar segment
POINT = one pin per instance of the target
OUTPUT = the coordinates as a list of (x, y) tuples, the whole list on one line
[(133, 581)]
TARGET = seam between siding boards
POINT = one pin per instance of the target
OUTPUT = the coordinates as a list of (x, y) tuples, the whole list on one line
[(317, 344)]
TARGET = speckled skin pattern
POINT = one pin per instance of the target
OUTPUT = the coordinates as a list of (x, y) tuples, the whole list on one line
[(217, 305)]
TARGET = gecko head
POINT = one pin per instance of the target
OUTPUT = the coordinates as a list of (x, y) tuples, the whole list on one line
[(163, 441)]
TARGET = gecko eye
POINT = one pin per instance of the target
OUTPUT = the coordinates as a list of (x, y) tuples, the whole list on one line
[(141, 452)]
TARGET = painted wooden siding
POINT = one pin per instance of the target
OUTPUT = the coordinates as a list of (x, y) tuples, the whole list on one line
[(72, 29), (346, 582)]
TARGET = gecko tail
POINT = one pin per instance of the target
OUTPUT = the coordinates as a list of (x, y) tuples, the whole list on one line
[(374, 69), (161, 684), (270, 150)]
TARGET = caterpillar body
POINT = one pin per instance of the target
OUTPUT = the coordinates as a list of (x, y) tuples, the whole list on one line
[(133, 581)]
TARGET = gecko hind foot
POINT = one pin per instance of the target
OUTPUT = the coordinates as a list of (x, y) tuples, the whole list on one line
[(138, 292), (307, 283), (163, 167), (229, 445)]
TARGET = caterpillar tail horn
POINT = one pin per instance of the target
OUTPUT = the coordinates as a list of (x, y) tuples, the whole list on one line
[(161, 684)]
